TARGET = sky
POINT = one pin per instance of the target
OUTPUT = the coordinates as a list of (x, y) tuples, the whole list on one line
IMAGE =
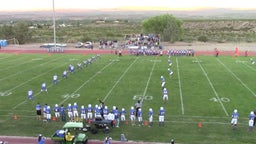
[(28, 5)]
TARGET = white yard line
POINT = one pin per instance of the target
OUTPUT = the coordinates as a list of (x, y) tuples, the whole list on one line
[(15, 65), (34, 78), (181, 96), (149, 78), (97, 73), (110, 91), (237, 78), (249, 66), (215, 92), (2, 58), (37, 92), (21, 72)]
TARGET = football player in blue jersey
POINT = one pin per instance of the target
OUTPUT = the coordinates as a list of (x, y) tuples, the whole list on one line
[(132, 115), (56, 110), (89, 112), (123, 113), (48, 113), (70, 112), (75, 111), (139, 115), (161, 115), (38, 111), (235, 117), (83, 113), (150, 117)]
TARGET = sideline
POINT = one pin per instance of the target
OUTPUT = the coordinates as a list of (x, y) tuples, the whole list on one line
[(33, 140)]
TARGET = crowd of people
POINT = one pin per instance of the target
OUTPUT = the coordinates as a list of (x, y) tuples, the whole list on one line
[(143, 40)]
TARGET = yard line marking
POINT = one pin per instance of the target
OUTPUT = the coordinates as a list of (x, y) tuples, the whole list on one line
[(149, 78), (15, 65), (34, 78), (97, 73), (20, 72), (2, 58), (110, 91), (237, 78), (249, 66), (39, 91), (181, 96), (215, 92)]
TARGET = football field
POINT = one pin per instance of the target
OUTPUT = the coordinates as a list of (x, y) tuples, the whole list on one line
[(203, 92)]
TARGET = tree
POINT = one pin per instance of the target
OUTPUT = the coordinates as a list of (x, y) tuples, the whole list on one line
[(6, 32), (19, 31), (166, 25), (22, 33)]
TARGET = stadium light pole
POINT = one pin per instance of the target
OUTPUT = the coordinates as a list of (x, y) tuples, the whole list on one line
[(54, 25)]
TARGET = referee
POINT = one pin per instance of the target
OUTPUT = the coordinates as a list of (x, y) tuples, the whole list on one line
[(138, 106)]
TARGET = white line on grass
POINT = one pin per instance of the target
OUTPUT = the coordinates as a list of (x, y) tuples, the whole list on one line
[(13, 66), (149, 78), (20, 72), (249, 66), (34, 78), (215, 92), (119, 79), (181, 96), (97, 73), (2, 58), (237, 78), (39, 91)]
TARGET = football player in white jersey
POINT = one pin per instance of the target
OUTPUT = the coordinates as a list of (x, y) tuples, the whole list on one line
[(165, 95), (65, 74), (30, 95), (55, 79), (43, 87), (162, 81)]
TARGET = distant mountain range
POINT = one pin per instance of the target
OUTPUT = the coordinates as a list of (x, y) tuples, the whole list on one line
[(128, 14)]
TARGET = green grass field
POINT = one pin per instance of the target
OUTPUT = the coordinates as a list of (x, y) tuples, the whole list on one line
[(203, 90)]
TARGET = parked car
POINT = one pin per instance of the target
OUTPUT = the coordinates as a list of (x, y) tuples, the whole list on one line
[(50, 45), (72, 133), (79, 45), (88, 45)]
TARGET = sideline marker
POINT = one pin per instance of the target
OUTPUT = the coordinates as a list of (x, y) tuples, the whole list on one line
[(199, 125), (15, 117)]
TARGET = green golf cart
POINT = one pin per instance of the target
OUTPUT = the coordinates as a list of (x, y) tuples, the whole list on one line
[(72, 133)]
